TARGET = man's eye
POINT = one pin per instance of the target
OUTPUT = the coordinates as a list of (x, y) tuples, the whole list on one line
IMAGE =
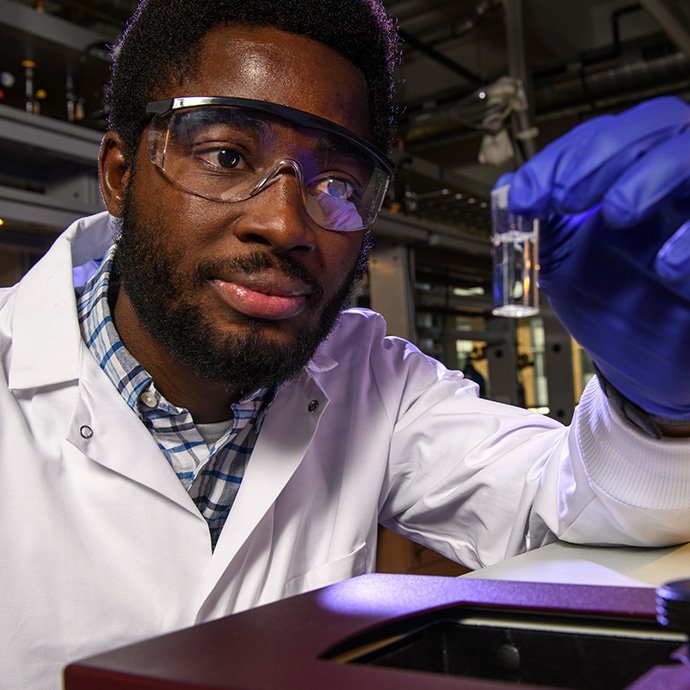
[(336, 188), (221, 158)]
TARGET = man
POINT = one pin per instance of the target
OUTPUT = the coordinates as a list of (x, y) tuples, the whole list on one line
[(203, 353)]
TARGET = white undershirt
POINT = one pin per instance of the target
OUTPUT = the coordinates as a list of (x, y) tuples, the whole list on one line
[(213, 431)]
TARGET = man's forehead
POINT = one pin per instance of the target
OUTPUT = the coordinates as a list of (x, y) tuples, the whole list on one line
[(268, 64)]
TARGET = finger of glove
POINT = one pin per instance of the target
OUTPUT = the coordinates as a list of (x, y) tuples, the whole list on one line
[(611, 151), (662, 173), (673, 260), (504, 179), (531, 190), (572, 175)]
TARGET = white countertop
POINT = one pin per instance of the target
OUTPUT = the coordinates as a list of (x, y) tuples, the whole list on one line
[(592, 565)]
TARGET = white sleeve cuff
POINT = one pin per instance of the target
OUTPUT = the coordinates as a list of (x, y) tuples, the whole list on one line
[(628, 465)]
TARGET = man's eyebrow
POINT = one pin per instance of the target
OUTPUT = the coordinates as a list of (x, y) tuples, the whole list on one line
[(327, 143), (220, 123), (237, 118)]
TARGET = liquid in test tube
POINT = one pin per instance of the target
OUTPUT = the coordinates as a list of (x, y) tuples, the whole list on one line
[(515, 250)]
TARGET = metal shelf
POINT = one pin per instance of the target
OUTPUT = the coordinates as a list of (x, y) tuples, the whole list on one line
[(48, 171)]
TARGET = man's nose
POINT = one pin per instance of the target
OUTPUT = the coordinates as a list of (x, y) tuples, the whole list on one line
[(276, 215)]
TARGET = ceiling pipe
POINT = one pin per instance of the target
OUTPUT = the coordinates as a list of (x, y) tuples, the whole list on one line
[(608, 85), (586, 85)]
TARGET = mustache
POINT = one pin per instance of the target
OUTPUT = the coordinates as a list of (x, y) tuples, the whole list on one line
[(256, 262)]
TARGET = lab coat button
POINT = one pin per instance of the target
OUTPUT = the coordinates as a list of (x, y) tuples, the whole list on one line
[(86, 431), (313, 406)]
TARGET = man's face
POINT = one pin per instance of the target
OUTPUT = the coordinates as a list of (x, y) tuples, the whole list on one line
[(241, 293)]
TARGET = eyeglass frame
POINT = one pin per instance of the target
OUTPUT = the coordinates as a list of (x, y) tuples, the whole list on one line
[(297, 117), (301, 118)]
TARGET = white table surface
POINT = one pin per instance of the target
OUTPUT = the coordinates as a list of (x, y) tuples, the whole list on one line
[(569, 563)]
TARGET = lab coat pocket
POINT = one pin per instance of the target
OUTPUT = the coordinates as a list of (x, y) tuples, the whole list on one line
[(355, 563)]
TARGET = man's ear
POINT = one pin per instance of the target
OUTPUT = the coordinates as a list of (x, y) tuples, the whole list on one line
[(113, 172)]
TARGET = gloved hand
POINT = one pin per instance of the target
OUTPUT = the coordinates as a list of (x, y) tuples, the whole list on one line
[(614, 199)]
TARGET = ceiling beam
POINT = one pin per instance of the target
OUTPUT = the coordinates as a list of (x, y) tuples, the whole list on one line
[(439, 57), (674, 22)]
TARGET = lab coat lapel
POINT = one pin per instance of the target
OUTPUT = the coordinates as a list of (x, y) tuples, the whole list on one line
[(107, 431), (285, 436), (45, 327), (49, 355)]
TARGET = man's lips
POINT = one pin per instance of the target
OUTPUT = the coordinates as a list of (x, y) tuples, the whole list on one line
[(264, 294)]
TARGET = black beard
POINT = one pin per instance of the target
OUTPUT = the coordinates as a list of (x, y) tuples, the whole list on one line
[(145, 269)]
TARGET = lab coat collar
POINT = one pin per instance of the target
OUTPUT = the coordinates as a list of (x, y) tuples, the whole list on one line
[(46, 337), (48, 351), (321, 362)]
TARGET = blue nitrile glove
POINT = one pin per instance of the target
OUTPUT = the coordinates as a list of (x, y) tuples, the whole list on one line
[(615, 246)]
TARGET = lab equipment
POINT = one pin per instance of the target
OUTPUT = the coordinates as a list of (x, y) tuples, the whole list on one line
[(515, 252)]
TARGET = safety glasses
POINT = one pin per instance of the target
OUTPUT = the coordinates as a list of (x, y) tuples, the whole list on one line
[(231, 149)]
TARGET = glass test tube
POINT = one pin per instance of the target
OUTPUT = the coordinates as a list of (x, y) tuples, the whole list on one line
[(515, 250)]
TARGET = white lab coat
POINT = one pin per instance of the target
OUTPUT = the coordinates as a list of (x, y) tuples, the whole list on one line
[(102, 546)]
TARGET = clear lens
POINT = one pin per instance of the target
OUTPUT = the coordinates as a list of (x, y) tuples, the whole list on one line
[(230, 154)]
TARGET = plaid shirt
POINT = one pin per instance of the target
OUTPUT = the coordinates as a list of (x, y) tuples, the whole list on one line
[(212, 475)]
